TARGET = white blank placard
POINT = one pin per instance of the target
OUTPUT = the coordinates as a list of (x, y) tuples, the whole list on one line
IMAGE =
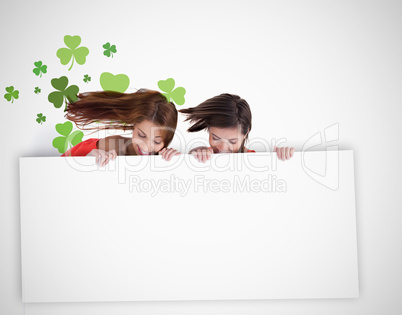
[(240, 226)]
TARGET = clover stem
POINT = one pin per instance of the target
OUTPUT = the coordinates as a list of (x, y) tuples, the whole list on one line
[(71, 64)]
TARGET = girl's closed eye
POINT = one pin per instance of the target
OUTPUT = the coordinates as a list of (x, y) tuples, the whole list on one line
[(144, 136), (231, 141)]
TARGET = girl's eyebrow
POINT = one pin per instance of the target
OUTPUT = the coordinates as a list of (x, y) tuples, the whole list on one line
[(219, 138), (146, 134)]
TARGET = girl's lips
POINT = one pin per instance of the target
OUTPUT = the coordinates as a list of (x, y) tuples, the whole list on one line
[(142, 152)]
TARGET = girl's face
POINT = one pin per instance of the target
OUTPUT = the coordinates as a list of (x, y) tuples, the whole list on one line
[(225, 140), (147, 138)]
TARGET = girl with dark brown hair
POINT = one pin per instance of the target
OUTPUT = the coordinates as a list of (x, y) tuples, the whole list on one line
[(147, 113), (227, 118)]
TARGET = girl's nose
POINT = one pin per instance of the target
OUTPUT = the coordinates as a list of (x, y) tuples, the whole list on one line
[(223, 147)]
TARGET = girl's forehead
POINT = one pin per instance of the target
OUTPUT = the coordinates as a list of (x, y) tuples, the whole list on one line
[(229, 132)]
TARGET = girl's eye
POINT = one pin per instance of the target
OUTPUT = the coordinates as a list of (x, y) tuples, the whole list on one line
[(157, 142), (233, 142), (215, 138), (142, 136)]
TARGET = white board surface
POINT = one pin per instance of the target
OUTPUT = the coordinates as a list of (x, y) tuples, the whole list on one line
[(241, 226)]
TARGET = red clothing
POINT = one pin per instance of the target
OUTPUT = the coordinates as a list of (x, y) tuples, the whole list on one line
[(82, 148)]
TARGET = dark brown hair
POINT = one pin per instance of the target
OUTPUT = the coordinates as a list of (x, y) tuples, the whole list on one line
[(122, 110), (222, 111)]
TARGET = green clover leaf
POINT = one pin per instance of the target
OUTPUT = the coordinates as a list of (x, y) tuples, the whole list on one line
[(87, 78), (72, 52), (41, 119), (39, 68), (37, 90), (110, 82), (12, 94), (109, 49), (63, 92), (177, 94), (68, 139)]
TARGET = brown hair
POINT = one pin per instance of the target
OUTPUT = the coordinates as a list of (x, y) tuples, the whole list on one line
[(123, 110), (222, 111)]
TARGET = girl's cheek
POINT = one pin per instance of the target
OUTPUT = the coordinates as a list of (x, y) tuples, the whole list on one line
[(138, 141), (134, 139)]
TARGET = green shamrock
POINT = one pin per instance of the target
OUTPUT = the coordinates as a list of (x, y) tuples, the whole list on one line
[(41, 119), (63, 92), (39, 68), (12, 94), (37, 90), (109, 50), (177, 94), (67, 139), (87, 78), (72, 52), (117, 83)]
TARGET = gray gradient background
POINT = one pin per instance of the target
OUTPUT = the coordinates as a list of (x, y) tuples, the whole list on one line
[(302, 66)]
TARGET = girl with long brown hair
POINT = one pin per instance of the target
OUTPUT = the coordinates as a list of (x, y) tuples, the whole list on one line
[(147, 113), (227, 118)]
